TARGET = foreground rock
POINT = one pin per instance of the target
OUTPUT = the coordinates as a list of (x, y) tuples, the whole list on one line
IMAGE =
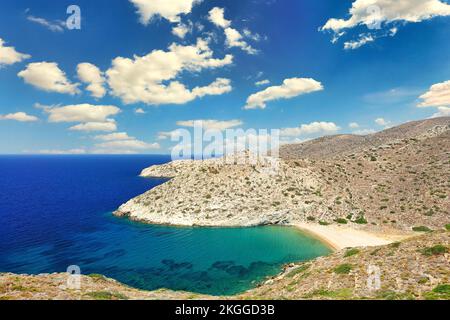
[(93, 287)]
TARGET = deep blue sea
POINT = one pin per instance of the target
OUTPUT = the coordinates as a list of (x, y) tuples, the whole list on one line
[(56, 211)]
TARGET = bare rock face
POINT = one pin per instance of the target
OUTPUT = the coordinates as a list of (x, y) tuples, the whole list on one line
[(397, 179)]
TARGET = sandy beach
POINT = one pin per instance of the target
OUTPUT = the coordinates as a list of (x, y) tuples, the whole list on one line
[(340, 237)]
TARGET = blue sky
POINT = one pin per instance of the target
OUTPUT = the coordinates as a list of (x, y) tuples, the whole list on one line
[(373, 76)]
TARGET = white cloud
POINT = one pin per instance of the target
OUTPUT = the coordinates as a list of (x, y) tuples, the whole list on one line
[(9, 55), (63, 152), (378, 14), (81, 113), (437, 96), (127, 145), (49, 77), (372, 12), (151, 79), (364, 132), (262, 82), (181, 30), (311, 128), (168, 9), (235, 39), (353, 125), (442, 112), (218, 87), (364, 39), (164, 135), (54, 26), (254, 36), (90, 74), (107, 126), (211, 124), (381, 122), (217, 16), (289, 89), (19, 116), (139, 111), (114, 136)]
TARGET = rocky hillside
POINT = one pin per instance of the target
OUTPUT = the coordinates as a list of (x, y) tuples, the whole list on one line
[(414, 269), (398, 179), (92, 287)]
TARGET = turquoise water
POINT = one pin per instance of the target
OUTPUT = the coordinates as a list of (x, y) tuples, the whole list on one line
[(56, 212)]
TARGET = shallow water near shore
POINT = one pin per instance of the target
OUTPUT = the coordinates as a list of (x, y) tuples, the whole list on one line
[(56, 212)]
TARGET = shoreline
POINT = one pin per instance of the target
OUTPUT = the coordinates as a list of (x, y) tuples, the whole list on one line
[(339, 237), (336, 237)]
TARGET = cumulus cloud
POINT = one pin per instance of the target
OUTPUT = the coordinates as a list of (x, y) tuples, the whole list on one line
[(442, 112), (289, 89), (211, 124), (19, 116), (139, 111), (133, 144), (379, 14), (262, 83), (54, 26), (218, 87), (181, 30), (63, 152), (91, 74), (363, 132), (217, 17), (233, 37), (364, 39), (49, 77), (163, 135), (311, 128), (353, 125), (81, 113), (151, 79), (119, 136), (437, 96), (170, 10), (381, 122), (107, 126), (9, 55)]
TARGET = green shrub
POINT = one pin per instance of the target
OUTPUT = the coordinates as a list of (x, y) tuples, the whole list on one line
[(395, 245), (442, 291), (106, 295), (97, 276), (311, 218), (361, 220), (351, 252), (434, 251), (392, 295), (343, 269), (341, 221), (421, 229), (298, 270), (324, 223), (447, 227)]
